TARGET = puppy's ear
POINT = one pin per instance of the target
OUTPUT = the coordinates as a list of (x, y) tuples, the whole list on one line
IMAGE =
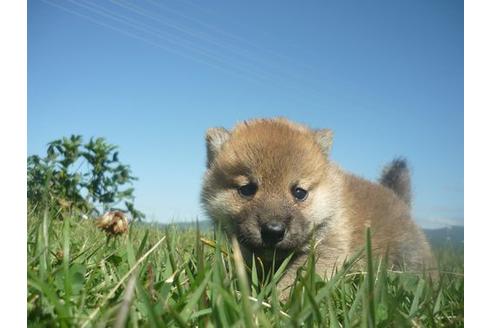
[(324, 137), (215, 138)]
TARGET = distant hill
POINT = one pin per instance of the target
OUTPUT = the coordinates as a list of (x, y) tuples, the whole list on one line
[(449, 236), (205, 225)]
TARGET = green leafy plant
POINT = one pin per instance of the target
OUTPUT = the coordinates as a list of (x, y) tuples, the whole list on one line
[(84, 177)]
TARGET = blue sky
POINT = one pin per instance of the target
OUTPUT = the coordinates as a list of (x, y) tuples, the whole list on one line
[(152, 76)]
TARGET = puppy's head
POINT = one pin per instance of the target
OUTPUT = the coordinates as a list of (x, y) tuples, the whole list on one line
[(269, 183)]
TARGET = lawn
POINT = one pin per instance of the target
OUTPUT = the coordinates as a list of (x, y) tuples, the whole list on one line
[(166, 277)]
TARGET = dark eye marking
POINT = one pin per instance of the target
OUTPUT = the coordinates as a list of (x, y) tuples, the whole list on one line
[(248, 190), (299, 193)]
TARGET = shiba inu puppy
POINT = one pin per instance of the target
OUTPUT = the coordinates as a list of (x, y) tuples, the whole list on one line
[(271, 184)]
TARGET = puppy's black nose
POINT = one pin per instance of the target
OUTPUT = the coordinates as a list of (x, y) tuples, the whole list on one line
[(272, 232)]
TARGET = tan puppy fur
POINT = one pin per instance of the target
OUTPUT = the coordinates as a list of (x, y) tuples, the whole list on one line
[(253, 177)]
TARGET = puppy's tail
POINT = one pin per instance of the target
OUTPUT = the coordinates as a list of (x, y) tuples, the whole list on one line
[(396, 176)]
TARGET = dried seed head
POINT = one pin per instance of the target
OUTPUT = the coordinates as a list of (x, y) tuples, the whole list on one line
[(113, 223)]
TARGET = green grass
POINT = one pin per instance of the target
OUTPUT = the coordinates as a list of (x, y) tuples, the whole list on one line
[(153, 277)]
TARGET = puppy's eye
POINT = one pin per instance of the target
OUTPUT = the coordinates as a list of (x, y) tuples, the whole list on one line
[(299, 193), (248, 190)]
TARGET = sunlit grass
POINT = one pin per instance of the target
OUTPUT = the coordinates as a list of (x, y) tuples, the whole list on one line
[(156, 277)]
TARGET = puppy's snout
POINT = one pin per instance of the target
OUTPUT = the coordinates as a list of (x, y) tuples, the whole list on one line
[(272, 232)]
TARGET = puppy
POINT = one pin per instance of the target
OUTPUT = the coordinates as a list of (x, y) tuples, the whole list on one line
[(270, 183)]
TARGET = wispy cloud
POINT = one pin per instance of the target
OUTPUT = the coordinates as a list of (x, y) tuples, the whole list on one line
[(439, 222)]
